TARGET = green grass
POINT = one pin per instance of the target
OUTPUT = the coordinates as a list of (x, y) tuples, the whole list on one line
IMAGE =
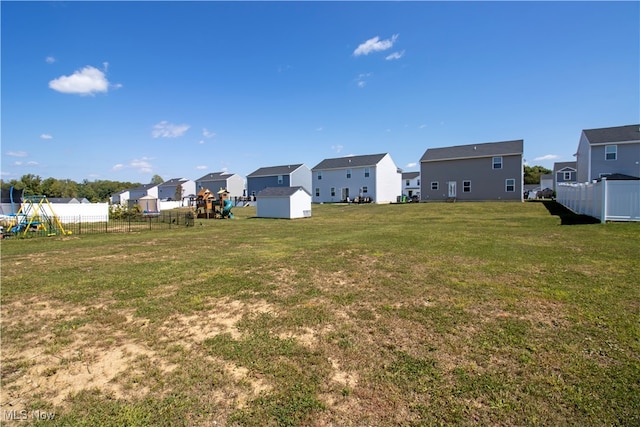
[(418, 314)]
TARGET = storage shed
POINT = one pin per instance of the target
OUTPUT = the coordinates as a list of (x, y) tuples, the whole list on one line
[(283, 202)]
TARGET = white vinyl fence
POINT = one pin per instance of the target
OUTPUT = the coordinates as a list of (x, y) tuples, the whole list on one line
[(605, 200)]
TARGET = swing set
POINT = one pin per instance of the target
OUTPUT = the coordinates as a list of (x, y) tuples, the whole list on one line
[(36, 214)]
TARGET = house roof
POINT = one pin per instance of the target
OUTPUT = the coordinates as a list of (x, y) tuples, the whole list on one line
[(215, 176), (410, 175), (172, 182), (487, 149), (274, 170), (280, 191), (351, 161), (619, 177), (558, 166), (143, 187), (613, 134)]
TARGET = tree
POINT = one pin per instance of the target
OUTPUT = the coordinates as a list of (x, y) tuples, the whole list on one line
[(532, 174), (179, 191), (157, 179)]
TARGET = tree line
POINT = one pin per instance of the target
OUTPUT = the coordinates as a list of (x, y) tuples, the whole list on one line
[(94, 191)]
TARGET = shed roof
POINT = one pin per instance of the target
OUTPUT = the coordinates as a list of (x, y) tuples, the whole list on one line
[(274, 170), (280, 191), (613, 134), (350, 161), (470, 151)]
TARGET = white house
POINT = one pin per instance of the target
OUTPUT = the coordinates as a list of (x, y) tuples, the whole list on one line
[(411, 184), (283, 202), (373, 176)]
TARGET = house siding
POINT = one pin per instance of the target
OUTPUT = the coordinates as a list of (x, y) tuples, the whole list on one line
[(486, 183), (628, 154), (233, 183), (259, 183)]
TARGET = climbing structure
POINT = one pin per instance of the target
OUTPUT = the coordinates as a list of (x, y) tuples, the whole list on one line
[(36, 214)]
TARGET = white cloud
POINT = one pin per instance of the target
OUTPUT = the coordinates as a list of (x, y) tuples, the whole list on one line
[(360, 80), (547, 157), (86, 81), (46, 136), (422, 126), (32, 163), (394, 55), (207, 134), (337, 148), (164, 129), (412, 165), (17, 163), (201, 167), (17, 153), (375, 45), (319, 129), (141, 165), (50, 60)]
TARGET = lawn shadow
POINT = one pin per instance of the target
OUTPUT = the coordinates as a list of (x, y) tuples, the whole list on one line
[(568, 217)]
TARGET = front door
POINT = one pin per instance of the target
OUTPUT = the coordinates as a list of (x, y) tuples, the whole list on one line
[(345, 194), (452, 188)]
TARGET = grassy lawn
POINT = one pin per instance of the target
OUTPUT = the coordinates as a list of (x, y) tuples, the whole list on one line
[(418, 314)]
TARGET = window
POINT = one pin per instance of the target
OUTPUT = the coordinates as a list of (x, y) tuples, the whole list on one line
[(317, 192), (418, 182), (408, 182), (348, 173), (466, 186), (434, 185), (319, 175), (510, 185), (280, 179), (497, 162), (567, 176), (365, 190), (333, 191), (367, 172), (611, 152)]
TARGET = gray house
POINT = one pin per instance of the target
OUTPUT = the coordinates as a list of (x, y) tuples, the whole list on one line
[(279, 176), (488, 171), (564, 172), (232, 182), (167, 190), (606, 151)]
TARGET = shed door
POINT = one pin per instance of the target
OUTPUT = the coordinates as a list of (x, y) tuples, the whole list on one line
[(452, 188)]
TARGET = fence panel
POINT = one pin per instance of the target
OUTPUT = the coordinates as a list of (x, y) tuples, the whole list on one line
[(83, 225), (606, 200)]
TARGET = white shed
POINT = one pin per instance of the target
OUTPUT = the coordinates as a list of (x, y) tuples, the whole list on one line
[(283, 202)]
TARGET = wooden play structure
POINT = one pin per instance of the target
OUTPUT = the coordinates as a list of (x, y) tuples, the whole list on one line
[(210, 206)]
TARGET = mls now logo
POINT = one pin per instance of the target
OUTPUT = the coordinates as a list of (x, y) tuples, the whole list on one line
[(24, 415)]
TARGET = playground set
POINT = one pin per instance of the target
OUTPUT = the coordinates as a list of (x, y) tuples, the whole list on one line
[(35, 215), (208, 206)]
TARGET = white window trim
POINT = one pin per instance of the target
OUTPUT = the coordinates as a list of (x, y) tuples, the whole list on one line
[(506, 185)]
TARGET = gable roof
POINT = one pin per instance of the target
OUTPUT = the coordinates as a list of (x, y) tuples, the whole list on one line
[(613, 134), (274, 170), (172, 182), (560, 166), (142, 187), (280, 191), (215, 176), (350, 162), (487, 149), (410, 175)]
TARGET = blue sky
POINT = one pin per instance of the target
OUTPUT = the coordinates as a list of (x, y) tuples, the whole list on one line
[(126, 90)]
